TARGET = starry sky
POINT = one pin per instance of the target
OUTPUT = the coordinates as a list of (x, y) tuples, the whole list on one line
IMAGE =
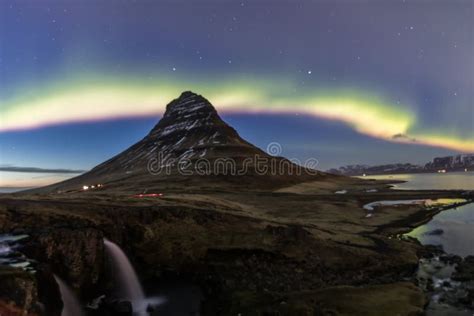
[(342, 81)]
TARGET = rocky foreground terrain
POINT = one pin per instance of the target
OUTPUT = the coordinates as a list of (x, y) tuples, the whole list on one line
[(256, 244)]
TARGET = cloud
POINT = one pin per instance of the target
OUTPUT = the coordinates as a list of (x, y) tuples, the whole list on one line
[(404, 137), (38, 170)]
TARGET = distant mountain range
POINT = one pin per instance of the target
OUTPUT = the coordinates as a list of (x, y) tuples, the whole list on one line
[(438, 164)]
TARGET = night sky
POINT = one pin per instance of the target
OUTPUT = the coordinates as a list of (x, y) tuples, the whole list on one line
[(343, 81)]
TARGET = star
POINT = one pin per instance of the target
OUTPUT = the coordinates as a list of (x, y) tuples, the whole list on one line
[(309, 72), (174, 68)]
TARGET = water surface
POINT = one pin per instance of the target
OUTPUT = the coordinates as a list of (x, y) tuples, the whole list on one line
[(14, 189), (431, 181), (453, 229)]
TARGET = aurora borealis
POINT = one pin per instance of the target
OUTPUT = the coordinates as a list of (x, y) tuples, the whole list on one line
[(94, 102), (396, 73)]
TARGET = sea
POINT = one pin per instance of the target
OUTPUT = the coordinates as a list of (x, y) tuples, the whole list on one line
[(13, 189)]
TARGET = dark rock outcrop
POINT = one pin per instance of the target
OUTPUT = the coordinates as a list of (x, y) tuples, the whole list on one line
[(18, 292), (465, 270), (74, 253)]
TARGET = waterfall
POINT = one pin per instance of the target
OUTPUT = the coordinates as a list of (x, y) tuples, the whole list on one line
[(127, 280), (71, 304)]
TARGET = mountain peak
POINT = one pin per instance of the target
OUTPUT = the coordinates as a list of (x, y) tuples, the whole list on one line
[(189, 114), (187, 103), (192, 122), (188, 94)]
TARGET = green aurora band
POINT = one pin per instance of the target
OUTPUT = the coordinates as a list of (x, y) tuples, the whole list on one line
[(93, 97)]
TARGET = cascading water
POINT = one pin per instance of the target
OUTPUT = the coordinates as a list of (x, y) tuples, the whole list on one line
[(127, 281), (129, 286), (71, 307)]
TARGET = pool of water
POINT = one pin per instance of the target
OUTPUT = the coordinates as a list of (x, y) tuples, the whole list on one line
[(452, 229), (182, 298), (427, 203)]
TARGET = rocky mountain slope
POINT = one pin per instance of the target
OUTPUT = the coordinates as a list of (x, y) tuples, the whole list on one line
[(191, 144), (458, 162), (358, 170)]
